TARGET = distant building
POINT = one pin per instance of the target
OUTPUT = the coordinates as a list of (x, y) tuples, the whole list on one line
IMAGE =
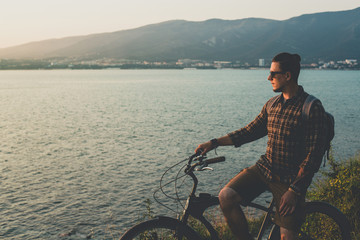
[(222, 64), (261, 62), (351, 61)]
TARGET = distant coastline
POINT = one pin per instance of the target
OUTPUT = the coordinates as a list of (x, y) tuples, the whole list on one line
[(316, 37), (53, 64)]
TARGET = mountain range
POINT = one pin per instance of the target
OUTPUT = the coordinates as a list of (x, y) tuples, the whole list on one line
[(325, 36)]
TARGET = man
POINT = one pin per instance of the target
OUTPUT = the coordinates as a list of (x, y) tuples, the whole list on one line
[(293, 154)]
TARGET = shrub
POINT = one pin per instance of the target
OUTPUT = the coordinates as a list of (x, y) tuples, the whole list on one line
[(340, 186)]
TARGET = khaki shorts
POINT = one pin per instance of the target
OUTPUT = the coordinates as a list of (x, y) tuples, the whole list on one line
[(250, 183)]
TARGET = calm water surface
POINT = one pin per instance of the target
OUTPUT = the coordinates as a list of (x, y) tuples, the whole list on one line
[(80, 151)]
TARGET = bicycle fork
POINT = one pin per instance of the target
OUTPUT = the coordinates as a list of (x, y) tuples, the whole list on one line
[(196, 206)]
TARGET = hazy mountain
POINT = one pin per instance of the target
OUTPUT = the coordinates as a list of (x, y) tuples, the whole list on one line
[(328, 35)]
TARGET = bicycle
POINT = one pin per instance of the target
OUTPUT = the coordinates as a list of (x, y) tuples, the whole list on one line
[(323, 221)]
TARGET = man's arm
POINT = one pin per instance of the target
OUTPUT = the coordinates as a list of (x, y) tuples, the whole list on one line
[(253, 131)]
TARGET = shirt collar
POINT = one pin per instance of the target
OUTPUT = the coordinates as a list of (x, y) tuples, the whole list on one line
[(297, 96)]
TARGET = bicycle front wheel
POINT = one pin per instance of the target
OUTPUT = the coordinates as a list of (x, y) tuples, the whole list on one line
[(161, 228), (324, 221)]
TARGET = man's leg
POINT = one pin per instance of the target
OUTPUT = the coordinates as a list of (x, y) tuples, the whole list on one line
[(234, 216), (289, 224), (243, 188)]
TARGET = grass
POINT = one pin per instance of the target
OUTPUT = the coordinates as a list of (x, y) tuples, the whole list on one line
[(340, 186)]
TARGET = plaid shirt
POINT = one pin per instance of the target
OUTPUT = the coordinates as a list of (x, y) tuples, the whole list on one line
[(294, 148)]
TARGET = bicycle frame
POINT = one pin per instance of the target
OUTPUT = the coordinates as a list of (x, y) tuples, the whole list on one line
[(196, 206)]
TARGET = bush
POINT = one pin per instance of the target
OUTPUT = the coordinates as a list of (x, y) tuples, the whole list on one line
[(340, 186)]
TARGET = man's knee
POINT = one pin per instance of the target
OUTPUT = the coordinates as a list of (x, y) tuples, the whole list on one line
[(229, 196), (287, 234)]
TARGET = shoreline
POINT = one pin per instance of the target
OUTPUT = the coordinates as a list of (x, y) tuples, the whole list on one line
[(165, 68)]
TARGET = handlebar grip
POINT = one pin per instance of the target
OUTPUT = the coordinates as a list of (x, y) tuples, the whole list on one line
[(215, 160)]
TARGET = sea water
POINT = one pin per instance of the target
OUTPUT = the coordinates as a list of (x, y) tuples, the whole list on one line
[(81, 151)]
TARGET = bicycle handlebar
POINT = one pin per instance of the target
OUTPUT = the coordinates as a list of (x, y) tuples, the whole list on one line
[(215, 160), (201, 161), (189, 170)]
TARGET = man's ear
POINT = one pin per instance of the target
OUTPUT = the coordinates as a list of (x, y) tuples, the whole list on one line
[(288, 76)]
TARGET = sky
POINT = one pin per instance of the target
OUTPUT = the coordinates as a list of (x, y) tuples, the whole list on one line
[(23, 21)]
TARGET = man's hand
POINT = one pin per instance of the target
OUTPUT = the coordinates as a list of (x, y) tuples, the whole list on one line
[(205, 147), (208, 146), (287, 203)]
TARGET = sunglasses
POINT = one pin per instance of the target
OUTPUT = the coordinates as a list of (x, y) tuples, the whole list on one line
[(272, 74)]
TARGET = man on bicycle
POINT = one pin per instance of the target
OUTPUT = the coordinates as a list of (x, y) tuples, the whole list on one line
[(293, 154)]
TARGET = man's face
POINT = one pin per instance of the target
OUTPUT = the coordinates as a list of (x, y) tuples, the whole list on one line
[(277, 77)]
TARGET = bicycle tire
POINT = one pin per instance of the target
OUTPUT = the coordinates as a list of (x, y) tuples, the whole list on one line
[(324, 221), (160, 228)]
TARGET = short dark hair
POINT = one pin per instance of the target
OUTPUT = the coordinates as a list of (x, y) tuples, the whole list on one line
[(289, 63)]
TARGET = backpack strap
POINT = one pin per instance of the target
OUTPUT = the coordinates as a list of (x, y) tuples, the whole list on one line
[(305, 114), (309, 101)]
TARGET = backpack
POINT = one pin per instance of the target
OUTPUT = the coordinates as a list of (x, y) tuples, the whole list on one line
[(329, 121)]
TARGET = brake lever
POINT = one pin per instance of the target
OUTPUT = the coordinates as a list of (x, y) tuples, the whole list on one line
[(203, 169)]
